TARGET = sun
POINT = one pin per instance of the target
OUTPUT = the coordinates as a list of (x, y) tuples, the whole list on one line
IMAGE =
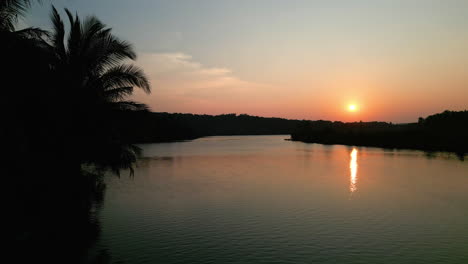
[(352, 108)]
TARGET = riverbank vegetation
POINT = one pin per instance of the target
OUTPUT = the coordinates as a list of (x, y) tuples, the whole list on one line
[(447, 131), (162, 127)]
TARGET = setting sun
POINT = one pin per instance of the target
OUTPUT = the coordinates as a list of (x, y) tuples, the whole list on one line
[(352, 108)]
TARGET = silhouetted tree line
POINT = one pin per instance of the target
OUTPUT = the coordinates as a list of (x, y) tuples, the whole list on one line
[(64, 92), (447, 131), (158, 127)]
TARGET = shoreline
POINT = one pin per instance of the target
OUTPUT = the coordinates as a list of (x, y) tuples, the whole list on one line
[(460, 153)]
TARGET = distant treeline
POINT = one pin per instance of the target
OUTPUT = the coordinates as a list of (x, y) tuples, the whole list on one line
[(160, 127), (447, 131)]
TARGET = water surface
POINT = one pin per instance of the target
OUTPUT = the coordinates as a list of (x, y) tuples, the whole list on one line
[(261, 199)]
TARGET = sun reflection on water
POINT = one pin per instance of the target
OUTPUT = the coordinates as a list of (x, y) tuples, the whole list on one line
[(353, 166)]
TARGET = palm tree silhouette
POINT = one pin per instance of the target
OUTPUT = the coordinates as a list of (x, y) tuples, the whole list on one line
[(88, 63), (65, 96)]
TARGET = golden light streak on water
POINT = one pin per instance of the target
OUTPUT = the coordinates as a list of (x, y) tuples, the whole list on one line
[(353, 166)]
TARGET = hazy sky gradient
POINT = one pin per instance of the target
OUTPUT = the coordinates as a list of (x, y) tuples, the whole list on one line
[(396, 59)]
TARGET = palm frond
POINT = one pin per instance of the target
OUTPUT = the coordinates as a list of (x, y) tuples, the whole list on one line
[(14, 8), (119, 93), (125, 75), (10, 11), (33, 32), (74, 36), (7, 22), (91, 28), (108, 51), (58, 35), (116, 156)]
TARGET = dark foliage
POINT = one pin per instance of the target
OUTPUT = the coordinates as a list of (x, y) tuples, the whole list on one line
[(63, 93), (159, 127), (447, 131)]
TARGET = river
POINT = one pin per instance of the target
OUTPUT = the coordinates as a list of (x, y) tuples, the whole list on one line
[(262, 199)]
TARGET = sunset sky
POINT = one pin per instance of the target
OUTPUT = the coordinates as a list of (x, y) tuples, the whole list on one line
[(394, 60)]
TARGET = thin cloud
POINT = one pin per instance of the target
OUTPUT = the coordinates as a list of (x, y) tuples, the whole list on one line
[(180, 81)]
